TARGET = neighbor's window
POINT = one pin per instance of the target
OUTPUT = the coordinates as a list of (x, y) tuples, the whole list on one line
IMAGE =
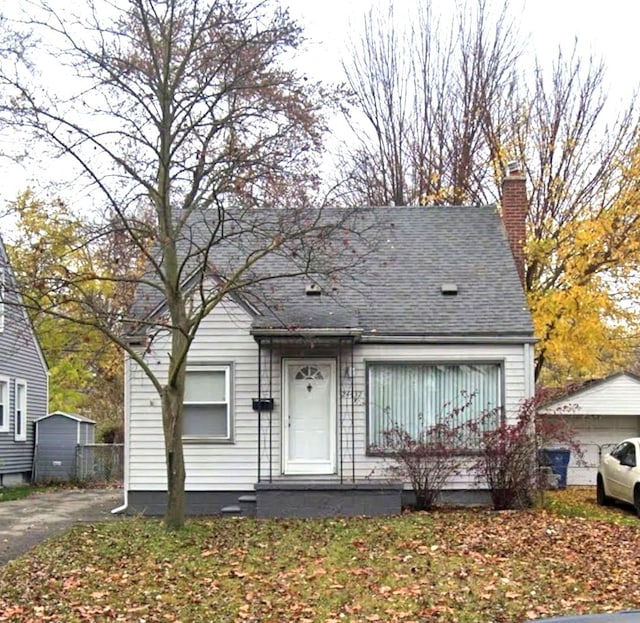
[(415, 396), (20, 423), (207, 407), (4, 404)]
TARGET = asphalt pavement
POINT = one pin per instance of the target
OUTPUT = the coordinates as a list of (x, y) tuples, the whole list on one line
[(27, 522)]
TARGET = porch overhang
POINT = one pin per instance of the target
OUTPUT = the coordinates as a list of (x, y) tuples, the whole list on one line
[(279, 347), (286, 333)]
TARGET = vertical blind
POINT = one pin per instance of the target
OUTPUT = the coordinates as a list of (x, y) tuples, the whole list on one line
[(415, 396)]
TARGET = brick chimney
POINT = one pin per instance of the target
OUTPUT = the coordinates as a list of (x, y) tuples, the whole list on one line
[(515, 206)]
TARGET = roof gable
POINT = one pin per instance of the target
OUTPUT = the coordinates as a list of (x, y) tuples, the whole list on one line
[(70, 416), (617, 394), (5, 266)]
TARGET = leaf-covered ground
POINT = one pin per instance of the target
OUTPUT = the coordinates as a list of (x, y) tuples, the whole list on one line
[(450, 565)]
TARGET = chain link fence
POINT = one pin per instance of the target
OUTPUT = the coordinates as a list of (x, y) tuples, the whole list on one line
[(90, 463), (100, 462)]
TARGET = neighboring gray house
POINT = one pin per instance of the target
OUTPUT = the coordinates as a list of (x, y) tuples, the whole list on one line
[(58, 436), (290, 386), (23, 382)]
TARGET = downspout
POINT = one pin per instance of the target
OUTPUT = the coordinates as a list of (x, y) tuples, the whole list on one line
[(259, 404), (127, 436), (529, 382), (271, 410), (123, 508), (341, 371), (353, 408)]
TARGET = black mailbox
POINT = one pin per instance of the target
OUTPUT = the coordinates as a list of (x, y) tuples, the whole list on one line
[(263, 404)]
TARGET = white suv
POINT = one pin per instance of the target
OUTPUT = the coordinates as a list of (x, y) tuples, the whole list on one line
[(619, 474)]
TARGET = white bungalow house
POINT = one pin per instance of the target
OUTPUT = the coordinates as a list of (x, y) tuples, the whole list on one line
[(290, 384)]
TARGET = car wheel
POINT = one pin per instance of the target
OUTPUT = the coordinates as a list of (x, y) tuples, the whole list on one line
[(602, 498)]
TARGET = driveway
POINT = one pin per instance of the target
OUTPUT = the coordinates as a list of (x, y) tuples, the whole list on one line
[(27, 522)]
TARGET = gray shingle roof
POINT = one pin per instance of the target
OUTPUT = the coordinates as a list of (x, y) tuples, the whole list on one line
[(396, 289)]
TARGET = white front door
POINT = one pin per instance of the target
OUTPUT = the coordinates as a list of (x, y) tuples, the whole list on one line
[(309, 416)]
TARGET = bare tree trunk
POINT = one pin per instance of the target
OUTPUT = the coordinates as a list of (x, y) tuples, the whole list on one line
[(172, 424)]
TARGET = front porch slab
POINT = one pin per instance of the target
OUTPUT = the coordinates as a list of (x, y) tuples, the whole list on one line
[(328, 499)]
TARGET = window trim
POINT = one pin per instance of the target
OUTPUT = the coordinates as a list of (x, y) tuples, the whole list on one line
[(5, 426), (23, 411), (227, 368), (368, 363)]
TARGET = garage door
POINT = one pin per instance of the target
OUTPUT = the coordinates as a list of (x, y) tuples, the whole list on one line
[(597, 435)]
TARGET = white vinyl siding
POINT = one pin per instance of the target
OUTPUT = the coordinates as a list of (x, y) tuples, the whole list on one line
[(207, 409), (20, 411), (618, 395), (4, 404), (223, 340), (416, 396)]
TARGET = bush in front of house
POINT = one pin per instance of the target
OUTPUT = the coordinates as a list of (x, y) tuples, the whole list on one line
[(428, 457), (508, 459)]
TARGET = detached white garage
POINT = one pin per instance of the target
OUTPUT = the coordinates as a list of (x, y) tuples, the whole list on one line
[(602, 413)]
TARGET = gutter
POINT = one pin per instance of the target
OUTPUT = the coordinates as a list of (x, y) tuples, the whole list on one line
[(448, 339)]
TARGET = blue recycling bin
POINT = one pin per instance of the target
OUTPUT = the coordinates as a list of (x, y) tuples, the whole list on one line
[(558, 459)]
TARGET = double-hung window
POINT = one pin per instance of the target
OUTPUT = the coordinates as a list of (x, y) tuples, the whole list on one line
[(415, 396), (20, 412), (207, 403), (4, 404)]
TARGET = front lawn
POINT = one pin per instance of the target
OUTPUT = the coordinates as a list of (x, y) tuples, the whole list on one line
[(451, 565)]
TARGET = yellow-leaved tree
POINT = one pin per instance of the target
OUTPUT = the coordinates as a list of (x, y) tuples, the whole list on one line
[(583, 286), (49, 241)]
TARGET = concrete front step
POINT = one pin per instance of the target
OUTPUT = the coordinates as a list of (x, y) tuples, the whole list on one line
[(248, 505)]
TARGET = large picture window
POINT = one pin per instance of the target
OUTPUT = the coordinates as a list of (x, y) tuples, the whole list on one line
[(415, 396), (207, 408)]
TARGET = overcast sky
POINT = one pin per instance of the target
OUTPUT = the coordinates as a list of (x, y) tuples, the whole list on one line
[(608, 29)]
